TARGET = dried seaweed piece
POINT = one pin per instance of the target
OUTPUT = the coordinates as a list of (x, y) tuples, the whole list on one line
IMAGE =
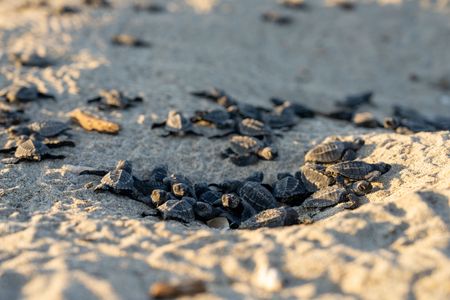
[(93, 123)]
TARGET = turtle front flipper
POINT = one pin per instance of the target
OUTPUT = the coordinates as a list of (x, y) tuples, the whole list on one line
[(58, 144), (8, 150), (372, 176), (93, 100), (353, 201), (46, 96), (349, 155), (10, 161), (52, 156), (100, 188), (94, 172)]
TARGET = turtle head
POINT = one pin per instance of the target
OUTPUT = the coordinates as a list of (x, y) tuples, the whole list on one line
[(124, 165), (230, 201), (268, 153), (383, 167), (391, 123), (358, 142), (361, 188)]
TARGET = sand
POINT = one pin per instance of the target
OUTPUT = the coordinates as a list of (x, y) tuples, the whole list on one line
[(61, 241)]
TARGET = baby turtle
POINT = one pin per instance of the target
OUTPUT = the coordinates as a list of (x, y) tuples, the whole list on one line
[(179, 210), (355, 101), (119, 181), (205, 211), (333, 195), (331, 152), (257, 196), (245, 150), (252, 127), (276, 18), (283, 117), (217, 117), (357, 170), (216, 95), (176, 124), (365, 119), (32, 150), (295, 4), (22, 93), (274, 217), (290, 190), (10, 116), (62, 10), (314, 177), (237, 206), (98, 3), (149, 8), (299, 109), (408, 126), (44, 129), (114, 99), (129, 40), (30, 59)]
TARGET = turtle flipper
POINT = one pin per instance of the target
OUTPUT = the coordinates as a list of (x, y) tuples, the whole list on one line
[(10, 161), (8, 150), (92, 100), (353, 201), (58, 144), (349, 155), (52, 156), (94, 172), (46, 96)]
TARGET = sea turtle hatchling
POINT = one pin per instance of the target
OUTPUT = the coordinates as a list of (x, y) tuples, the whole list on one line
[(357, 100), (335, 151), (408, 126), (356, 170), (276, 18), (32, 150), (314, 177), (179, 210), (24, 93), (44, 129), (216, 117), (290, 190), (252, 127), (176, 124), (119, 181), (333, 195), (31, 59), (10, 116), (129, 40), (257, 196), (274, 217), (114, 99), (245, 150), (216, 95)]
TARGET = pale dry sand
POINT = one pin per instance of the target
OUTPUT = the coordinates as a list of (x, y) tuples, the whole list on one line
[(61, 241)]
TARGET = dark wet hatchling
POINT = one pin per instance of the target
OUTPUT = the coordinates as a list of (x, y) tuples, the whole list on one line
[(237, 206), (257, 196), (44, 129), (252, 127), (24, 93), (129, 40), (179, 210), (331, 152), (357, 100), (217, 117), (31, 150), (276, 18), (357, 170), (408, 126), (243, 151), (114, 99), (176, 124), (30, 59), (290, 190)]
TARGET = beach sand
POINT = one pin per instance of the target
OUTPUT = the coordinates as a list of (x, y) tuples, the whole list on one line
[(59, 240)]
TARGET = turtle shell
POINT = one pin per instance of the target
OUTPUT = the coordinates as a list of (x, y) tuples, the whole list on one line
[(257, 196), (31, 150), (327, 197), (48, 128), (355, 170), (242, 145), (326, 152), (179, 210), (119, 180), (275, 217), (22, 93), (289, 189), (252, 127)]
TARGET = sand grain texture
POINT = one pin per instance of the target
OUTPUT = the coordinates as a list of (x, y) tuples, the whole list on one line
[(61, 241)]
